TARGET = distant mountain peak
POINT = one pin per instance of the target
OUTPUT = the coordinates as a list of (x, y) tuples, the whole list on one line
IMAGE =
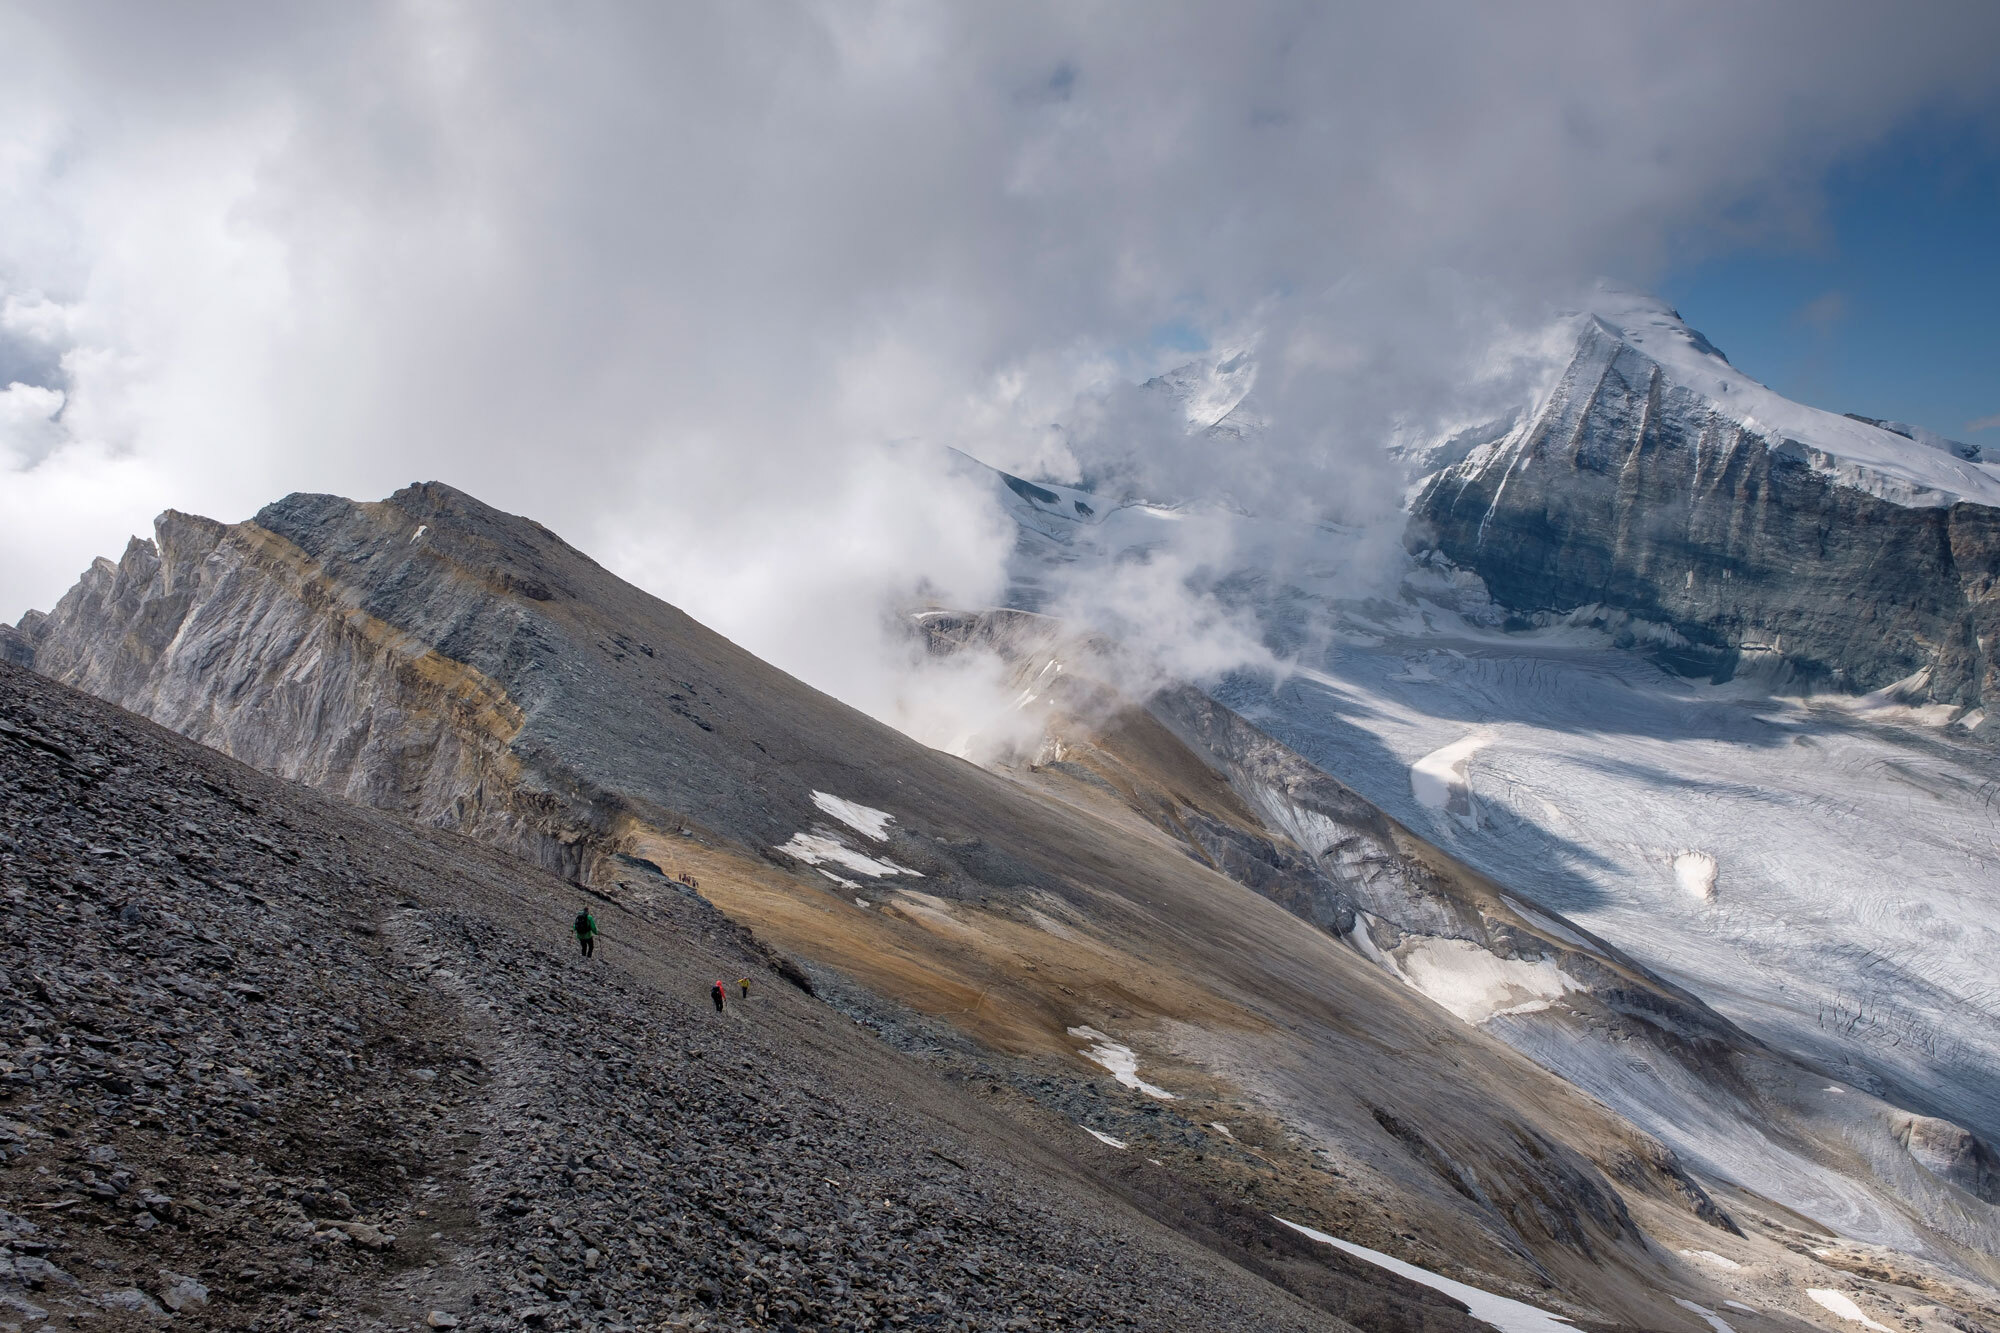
[(1210, 390), (1904, 465)]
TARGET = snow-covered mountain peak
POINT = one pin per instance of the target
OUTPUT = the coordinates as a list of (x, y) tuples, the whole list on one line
[(1646, 321), (1905, 466), (1211, 389)]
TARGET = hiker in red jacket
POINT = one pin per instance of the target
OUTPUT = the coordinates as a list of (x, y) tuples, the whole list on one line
[(715, 993)]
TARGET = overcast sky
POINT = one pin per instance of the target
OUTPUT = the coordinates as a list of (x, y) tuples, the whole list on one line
[(703, 287)]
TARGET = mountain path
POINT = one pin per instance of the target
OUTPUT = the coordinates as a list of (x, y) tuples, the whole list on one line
[(268, 1060)]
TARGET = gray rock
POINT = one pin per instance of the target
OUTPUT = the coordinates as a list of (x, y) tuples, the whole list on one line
[(1951, 1153), (22, 1306), (1719, 548), (129, 1299), (34, 1272)]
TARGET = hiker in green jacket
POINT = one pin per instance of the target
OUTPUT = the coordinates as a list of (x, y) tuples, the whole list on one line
[(586, 931)]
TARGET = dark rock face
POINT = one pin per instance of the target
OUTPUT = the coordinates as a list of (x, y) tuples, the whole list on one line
[(1633, 493)]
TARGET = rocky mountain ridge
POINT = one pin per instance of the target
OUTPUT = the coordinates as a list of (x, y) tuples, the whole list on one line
[(433, 657)]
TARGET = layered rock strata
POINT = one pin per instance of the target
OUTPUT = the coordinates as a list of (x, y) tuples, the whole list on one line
[(1740, 548)]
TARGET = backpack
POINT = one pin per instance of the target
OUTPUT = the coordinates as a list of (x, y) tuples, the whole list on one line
[(584, 925)]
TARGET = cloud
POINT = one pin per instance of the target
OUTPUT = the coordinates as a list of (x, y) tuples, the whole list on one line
[(1984, 423), (707, 288), (1822, 312)]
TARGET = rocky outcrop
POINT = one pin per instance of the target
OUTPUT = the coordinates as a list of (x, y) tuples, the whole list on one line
[(1739, 547), (1951, 1153), (431, 655), (238, 638)]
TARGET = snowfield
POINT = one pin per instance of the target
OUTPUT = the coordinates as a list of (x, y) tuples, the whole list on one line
[(1841, 902)]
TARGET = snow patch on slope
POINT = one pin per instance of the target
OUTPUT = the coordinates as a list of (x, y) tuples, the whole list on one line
[(1509, 1316), (1715, 1321), (1439, 779), (816, 848), (1120, 1060), (1475, 984), (869, 823), (1695, 873), (1841, 1304)]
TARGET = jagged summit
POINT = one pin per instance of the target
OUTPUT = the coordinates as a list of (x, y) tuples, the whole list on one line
[(1215, 394)]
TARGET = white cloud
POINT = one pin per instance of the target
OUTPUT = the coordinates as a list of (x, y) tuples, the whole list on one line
[(28, 429), (672, 278)]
